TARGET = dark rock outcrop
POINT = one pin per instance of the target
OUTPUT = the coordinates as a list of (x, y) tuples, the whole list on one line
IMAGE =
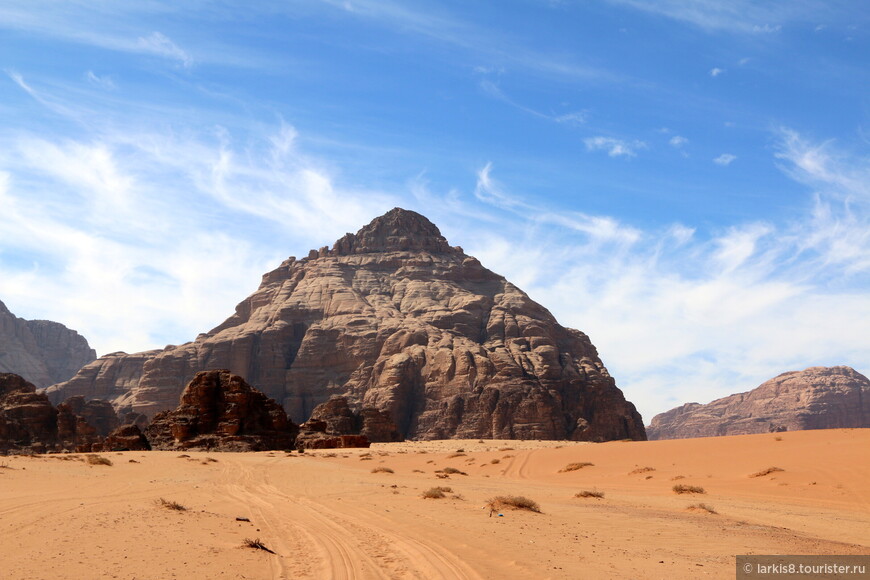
[(126, 438), (41, 351), (340, 419), (395, 319), (815, 398), (220, 411)]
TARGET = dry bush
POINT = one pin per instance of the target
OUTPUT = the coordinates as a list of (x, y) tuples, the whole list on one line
[(418, 471), (452, 471), (777, 438), (495, 461), (517, 502), (436, 492), (94, 459), (457, 454), (702, 507), (506, 449), (575, 466), (183, 455), (508, 456), (330, 454), (256, 544), (588, 493), (677, 477), (641, 470), (767, 471), (171, 505), (382, 469), (132, 461), (688, 489), (368, 458)]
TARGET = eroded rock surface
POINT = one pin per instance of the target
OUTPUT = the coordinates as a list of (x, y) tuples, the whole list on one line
[(220, 411), (339, 419), (815, 398), (41, 351), (395, 319)]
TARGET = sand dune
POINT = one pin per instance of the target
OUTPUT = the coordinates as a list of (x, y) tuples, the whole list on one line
[(327, 515)]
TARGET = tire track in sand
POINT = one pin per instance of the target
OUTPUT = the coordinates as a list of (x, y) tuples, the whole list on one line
[(317, 541)]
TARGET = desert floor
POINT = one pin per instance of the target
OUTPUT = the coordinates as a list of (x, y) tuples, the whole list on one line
[(327, 514)]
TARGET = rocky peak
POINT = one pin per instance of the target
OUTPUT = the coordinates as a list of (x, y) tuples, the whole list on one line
[(398, 230), (814, 398)]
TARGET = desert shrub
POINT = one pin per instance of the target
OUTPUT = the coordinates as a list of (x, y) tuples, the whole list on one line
[(678, 477), (256, 544), (171, 505), (452, 471), (514, 502), (94, 459), (575, 466), (506, 449), (702, 507), (436, 492), (641, 470), (767, 471), (382, 469), (588, 493), (688, 489), (495, 461), (183, 455), (418, 471)]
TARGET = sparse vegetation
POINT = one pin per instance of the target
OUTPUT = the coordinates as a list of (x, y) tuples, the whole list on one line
[(514, 502), (641, 470), (702, 507), (677, 477), (593, 493), (256, 544), (576, 466), (777, 438), (418, 471), (436, 492), (457, 454), (94, 459), (767, 471), (171, 505), (452, 471), (382, 469), (506, 449), (495, 461), (680, 488)]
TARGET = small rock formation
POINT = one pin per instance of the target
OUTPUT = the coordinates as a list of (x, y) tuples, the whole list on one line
[(40, 351), (815, 398), (219, 411), (374, 424), (126, 438), (28, 422), (313, 435), (395, 319)]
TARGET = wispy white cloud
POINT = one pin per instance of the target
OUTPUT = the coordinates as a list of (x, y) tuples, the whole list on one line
[(158, 44), (104, 82), (716, 71), (725, 159), (677, 141), (742, 16), (614, 147)]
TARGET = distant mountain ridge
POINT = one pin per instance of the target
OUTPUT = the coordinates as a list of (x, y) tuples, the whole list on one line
[(815, 398), (396, 319), (41, 351)]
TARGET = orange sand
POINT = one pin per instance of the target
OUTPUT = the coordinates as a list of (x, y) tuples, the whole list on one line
[(326, 515)]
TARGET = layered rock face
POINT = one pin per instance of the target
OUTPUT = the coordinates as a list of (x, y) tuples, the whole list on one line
[(41, 351), (395, 319), (815, 398), (220, 411)]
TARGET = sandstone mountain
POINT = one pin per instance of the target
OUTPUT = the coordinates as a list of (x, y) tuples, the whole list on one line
[(815, 398), (41, 351), (396, 319)]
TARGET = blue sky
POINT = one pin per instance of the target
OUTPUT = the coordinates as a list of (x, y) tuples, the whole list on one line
[(687, 181)]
